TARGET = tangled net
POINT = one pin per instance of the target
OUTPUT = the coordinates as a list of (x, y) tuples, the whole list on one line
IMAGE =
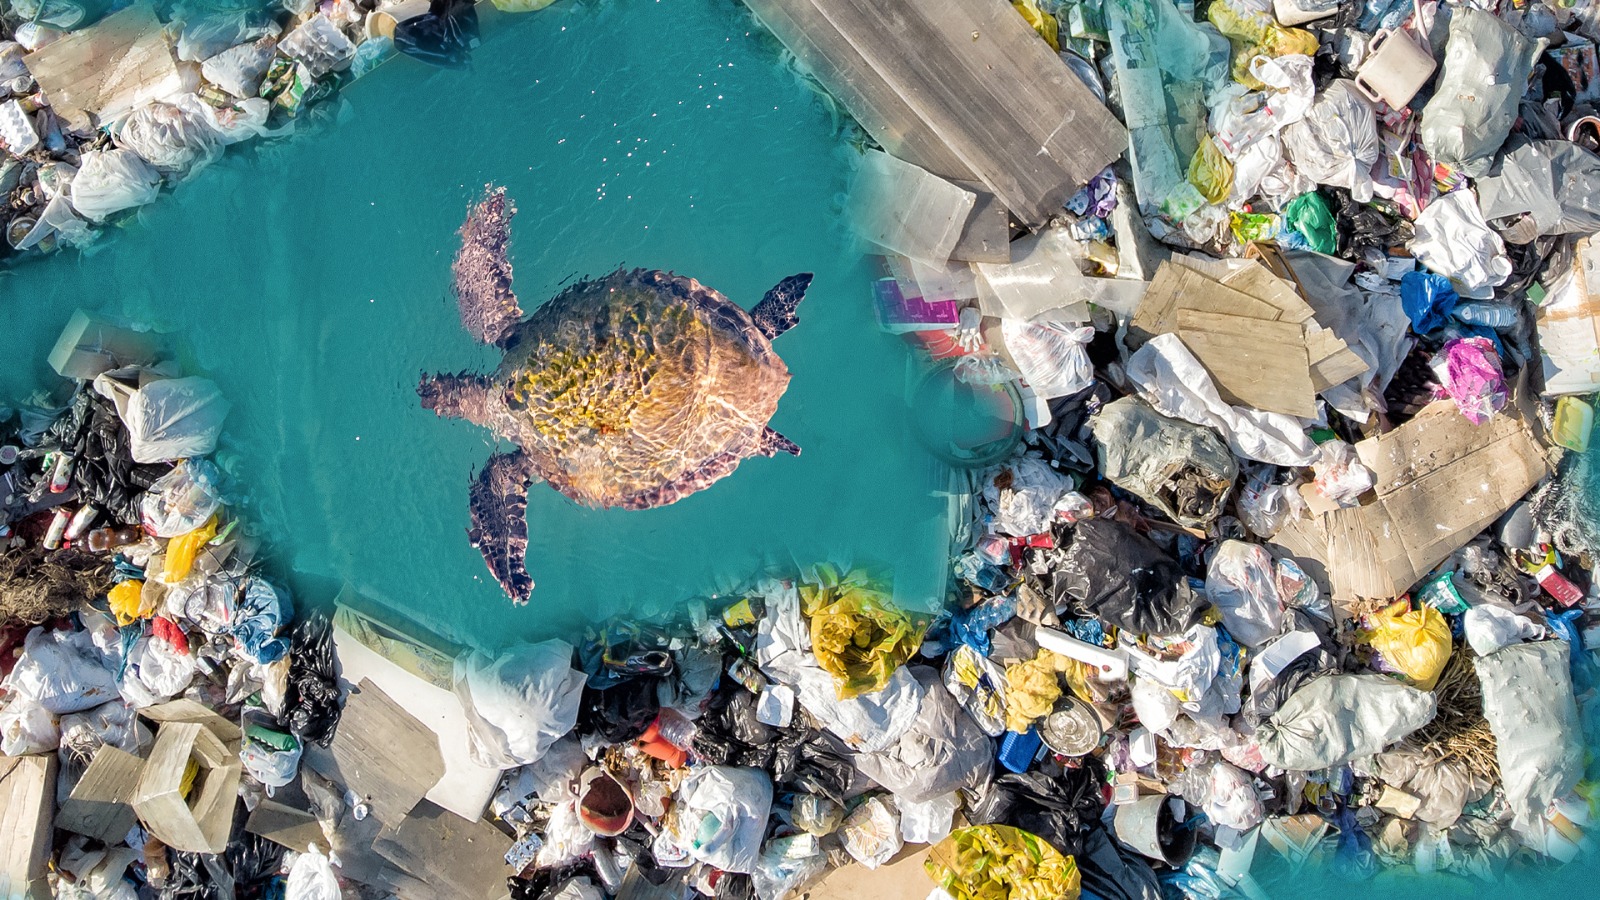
[(37, 585), (1459, 731)]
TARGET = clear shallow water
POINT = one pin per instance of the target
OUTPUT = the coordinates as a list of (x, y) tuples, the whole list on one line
[(311, 281)]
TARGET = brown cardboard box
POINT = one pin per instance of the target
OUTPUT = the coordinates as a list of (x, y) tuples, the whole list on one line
[(91, 344)]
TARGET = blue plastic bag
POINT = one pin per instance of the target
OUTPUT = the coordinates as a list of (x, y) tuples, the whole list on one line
[(1428, 300), (262, 612)]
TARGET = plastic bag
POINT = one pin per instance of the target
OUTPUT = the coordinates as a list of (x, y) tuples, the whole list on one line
[(181, 552), (1556, 183), (1413, 642), (1337, 718), (114, 723), (1337, 141), (871, 833), (1032, 688), (312, 878), (858, 633), (1056, 809), (1453, 240), (787, 865), (1122, 578), (1052, 357), (929, 821), (1486, 68), (159, 665), (1428, 300), (521, 6), (26, 728), (181, 500), (999, 862), (1023, 493), (520, 703), (174, 418), (445, 35), (722, 816), (169, 137), (239, 69), (1227, 794), (1169, 377), (1210, 172), (1340, 475), (1179, 468), (1469, 373), (127, 602), (1242, 582), (1528, 701), (109, 181), (1308, 214), (1489, 628), (942, 751), (261, 611), (63, 672), (979, 685)]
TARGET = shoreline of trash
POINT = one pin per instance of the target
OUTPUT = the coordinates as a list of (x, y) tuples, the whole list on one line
[(1280, 560)]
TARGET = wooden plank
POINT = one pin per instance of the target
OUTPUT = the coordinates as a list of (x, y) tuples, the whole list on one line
[(281, 824), (1332, 360), (1254, 279), (975, 77), (464, 859), (1179, 286), (113, 66), (987, 235), (1255, 362), (101, 805), (201, 821), (27, 807), (189, 711), (384, 753)]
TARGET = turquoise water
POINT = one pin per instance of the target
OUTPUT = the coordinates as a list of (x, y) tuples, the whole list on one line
[(311, 280)]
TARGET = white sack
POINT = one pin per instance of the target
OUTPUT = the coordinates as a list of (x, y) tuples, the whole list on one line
[(519, 704)]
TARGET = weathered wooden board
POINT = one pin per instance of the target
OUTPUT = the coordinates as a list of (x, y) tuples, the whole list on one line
[(111, 67), (101, 805), (384, 753), (27, 807), (1254, 362), (466, 860)]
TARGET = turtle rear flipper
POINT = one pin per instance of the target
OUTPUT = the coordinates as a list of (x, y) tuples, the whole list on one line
[(775, 314), (488, 306), (499, 507)]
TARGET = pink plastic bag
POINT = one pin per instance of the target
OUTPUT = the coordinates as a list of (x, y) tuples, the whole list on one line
[(1469, 371)]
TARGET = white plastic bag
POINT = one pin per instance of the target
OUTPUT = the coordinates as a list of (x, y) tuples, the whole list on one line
[(1527, 698), (1336, 143), (1169, 378), (1242, 582), (181, 500), (787, 865), (1341, 477), (1486, 68), (173, 418), (519, 704), (1453, 240), (944, 749), (1051, 356), (63, 672), (312, 878), (27, 727), (239, 70), (929, 821), (157, 670), (1231, 798), (171, 137), (110, 181), (1027, 504), (1489, 628), (871, 833), (722, 816)]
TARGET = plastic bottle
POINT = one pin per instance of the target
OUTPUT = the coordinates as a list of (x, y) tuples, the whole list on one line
[(58, 528), (1486, 315), (676, 730)]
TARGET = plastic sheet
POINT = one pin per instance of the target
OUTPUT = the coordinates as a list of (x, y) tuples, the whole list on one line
[(1556, 183), (942, 751), (1453, 240)]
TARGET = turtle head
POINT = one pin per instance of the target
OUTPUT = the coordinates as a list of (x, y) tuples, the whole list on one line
[(464, 396)]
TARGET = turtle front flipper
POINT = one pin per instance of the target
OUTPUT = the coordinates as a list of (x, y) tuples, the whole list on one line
[(499, 507), (775, 314), (482, 271)]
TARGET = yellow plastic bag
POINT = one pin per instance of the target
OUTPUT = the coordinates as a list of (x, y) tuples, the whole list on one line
[(859, 635), (1414, 642), (1210, 172), (1042, 22), (1032, 689), (519, 6), (1254, 32), (999, 862), (126, 603), (182, 550)]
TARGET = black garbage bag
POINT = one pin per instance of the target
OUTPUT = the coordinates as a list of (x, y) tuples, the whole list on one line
[(197, 876), (1265, 699), (800, 757), (254, 862), (445, 35), (314, 705), (1122, 578), (1112, 872), (622, 712), (104, 472), (1365, 226), (1059, 810), (735, 886)]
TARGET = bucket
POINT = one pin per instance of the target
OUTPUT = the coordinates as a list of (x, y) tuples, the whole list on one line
[(1395, 69), (1072, 728), (1149, 827), (605, 805)]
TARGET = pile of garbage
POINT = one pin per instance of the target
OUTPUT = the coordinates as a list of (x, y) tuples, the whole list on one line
[(103, 104)]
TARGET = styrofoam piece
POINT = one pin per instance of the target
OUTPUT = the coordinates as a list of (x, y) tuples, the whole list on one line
[(16, 128), (1110, 664)]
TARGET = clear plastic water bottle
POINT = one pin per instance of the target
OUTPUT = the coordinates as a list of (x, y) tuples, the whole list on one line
[(676, 730), (1487, 315)]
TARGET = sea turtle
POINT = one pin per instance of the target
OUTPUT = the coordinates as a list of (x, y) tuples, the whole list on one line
[(633, 390)]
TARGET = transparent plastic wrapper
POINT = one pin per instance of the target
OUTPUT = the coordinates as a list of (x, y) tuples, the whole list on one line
[(942, 751), (170, 137), (109, 181), (929, 821), (1528, 700), (1169, 377), (1469, 372), (1489, 628), (1414, 643), (318, 45), (159, 665), (63, 671), (1053, 358), (1453, 240), (978, 684), (1336, 143), (787, 865), (181, 500), (520, 703), (240, 69), (1025, 505), (1340, 475), (1337, 718), (999, 862), (1241, 581), (816, 815), (871, 833), (1486, 67), (1044, 277), (907, 210), (722, 816), (1227, 794), (1180, 468), (1265, 507)]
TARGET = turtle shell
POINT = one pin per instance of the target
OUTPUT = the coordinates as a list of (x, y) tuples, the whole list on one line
[(623, 385)]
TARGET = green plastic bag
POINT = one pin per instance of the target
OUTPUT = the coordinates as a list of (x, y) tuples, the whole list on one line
[(1309, 215)]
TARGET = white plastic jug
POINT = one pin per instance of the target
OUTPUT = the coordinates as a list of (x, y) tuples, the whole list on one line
[(1395, 69)]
